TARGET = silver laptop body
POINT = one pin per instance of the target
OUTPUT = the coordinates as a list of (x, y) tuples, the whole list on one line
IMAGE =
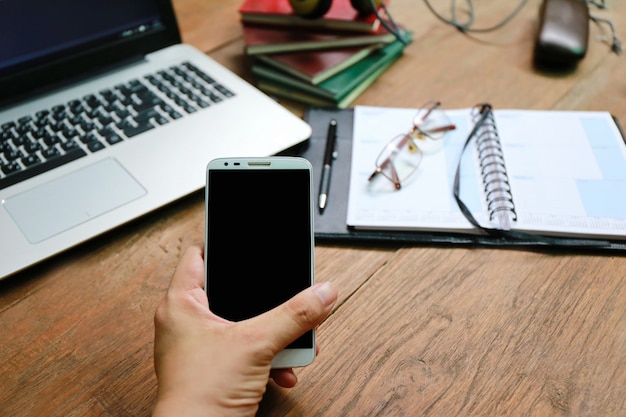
[(59, 208)]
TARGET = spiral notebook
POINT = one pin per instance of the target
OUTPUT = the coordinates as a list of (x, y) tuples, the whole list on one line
[(331, 225), (547, 173)]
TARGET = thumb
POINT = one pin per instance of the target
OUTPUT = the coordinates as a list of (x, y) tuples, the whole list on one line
[(299, 314)]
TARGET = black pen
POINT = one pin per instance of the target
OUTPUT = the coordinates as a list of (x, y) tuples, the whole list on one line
[(331, 137)]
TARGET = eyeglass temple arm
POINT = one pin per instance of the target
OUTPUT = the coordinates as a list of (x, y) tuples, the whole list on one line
[(429, 110), (388, 162), (394, 174), (443, 128)]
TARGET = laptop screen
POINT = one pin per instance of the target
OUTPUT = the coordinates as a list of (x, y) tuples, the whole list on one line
[(46, 41)]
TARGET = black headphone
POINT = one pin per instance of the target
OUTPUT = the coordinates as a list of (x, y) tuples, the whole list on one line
[(313, 9)]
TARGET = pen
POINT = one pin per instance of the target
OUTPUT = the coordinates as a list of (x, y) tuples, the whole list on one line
[(331, 137)]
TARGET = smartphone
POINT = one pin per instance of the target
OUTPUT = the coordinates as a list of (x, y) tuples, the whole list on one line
[(259, 244)]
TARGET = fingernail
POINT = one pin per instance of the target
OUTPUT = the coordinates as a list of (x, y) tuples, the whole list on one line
[(326, 293)]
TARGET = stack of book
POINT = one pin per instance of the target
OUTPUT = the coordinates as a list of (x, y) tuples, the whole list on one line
[(324, 62)]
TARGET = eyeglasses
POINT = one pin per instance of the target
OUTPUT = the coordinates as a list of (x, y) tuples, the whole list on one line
[(401, 156)]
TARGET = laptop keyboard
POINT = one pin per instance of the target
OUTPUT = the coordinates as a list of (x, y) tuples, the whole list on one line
[(52, 137)]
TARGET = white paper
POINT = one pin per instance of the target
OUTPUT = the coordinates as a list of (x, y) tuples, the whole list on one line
[(567, 172)]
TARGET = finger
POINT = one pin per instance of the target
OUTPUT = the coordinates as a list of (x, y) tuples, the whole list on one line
[(296, 316), (286, 377), (189, 273)]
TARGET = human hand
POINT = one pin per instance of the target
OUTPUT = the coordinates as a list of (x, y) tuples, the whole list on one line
[(206, 365)]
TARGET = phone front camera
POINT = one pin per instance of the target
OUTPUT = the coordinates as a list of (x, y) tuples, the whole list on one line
[(225, 164)]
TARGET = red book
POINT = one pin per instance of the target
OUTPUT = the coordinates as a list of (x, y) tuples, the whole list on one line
[(266, 40), (317, 66), (340, 16)]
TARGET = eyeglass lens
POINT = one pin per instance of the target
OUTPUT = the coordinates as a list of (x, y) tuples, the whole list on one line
[(399, 159), (432, 121)]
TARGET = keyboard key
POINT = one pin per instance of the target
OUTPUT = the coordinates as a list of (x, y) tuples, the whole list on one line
[(31, 160), (7, 126), (13, 155), (224, 90), (10, 167), (32, 146), (6, 135), (145, 115), (113, 138), (51, 140), (95, 145), (69, 145), (131, 131), (52, 137), (24, 174), (89, 137), (50, 152)]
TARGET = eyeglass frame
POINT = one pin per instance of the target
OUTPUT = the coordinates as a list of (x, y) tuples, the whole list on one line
[(415, 133)]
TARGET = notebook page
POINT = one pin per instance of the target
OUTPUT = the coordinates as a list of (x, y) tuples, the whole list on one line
[(425, 202), (567, 172)]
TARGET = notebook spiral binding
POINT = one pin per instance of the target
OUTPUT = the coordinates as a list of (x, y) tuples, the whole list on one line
[(493, 170)]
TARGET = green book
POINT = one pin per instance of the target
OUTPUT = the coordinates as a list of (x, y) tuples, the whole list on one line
[(337, 91), (314, 99), (279, 90)]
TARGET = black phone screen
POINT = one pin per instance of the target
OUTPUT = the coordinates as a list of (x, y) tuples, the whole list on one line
[(258, 241)]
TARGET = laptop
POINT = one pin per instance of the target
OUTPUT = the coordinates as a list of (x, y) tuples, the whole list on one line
[(105, 115)]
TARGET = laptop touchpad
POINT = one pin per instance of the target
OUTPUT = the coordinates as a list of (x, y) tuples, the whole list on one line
[(65, 202)]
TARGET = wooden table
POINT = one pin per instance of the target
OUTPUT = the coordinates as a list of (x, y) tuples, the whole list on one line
[(418, 331)]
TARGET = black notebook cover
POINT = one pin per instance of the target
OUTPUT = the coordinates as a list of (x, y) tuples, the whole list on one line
[(330, 225)]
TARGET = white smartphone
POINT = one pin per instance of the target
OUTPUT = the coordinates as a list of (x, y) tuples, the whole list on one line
[(259, 244)]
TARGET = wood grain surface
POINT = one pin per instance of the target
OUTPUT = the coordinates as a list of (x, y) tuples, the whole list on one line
[(418, 331)]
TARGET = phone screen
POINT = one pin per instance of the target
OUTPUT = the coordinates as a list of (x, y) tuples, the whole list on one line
[(259, 244)]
